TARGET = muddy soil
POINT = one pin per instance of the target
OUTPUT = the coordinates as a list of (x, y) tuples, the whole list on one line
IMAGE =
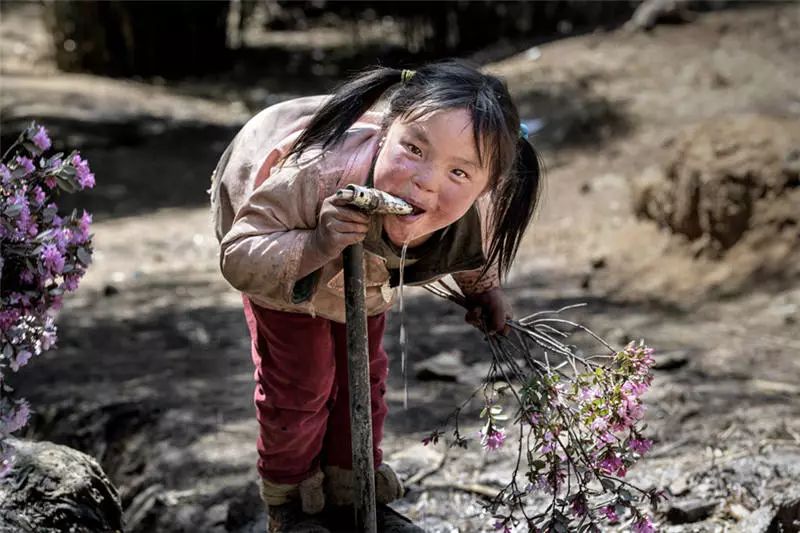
[(152, 374)]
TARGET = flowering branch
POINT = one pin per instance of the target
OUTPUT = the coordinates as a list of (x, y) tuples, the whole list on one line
[(42, 256), (579, 421)]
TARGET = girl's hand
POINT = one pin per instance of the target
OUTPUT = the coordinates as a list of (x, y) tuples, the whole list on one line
[(489, 309), (338, 227)]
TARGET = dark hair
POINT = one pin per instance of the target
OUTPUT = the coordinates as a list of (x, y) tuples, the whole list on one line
[(514, 167)]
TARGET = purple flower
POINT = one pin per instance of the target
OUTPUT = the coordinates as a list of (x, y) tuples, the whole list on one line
[(27, 276), (71, 281), (52, 259), (549, 442), (600, 424), (641, 446), (23, 356), (579, 508), (611, 464), (85, 176), (38, 195), (494, 439), (48, 339), (5, 174), (40, 139), (644, 525), (8, 318), (50, 181), (84, 224), (25, 163), (19, 417), (501, 526), (609, 512)]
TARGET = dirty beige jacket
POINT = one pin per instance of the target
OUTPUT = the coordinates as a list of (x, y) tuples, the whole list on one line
[(265, 213)]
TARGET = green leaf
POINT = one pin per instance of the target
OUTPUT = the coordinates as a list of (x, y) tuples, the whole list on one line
[(68, 172), (30, 147), (13, 210), (84, 256), (607, 484), (18, 173)]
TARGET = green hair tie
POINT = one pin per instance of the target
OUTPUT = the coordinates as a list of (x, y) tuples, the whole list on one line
[(406, 75)]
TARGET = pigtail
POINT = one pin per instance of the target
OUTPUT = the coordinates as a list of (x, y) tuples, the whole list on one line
[(514, 201), (341, 110)]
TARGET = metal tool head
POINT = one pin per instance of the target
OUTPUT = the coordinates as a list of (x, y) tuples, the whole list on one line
[(374, 201)]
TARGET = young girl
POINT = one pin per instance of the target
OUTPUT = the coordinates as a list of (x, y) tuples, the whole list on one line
[(450, 144)]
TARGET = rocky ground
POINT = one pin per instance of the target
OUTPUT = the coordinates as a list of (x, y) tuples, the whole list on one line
[(152, 375)]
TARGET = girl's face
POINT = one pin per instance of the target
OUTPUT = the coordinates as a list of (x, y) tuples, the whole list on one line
[(432, 164)]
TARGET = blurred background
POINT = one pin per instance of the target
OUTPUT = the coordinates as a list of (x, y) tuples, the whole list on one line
[(671, 134)]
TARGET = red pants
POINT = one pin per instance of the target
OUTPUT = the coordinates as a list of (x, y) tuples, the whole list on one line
[(301, 396)]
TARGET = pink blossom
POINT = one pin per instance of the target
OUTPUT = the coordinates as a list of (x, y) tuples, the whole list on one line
[(606, 437), (494, 439), (590, 393), (600, 424), (50, 181), (641, 446), (609, 512), (579, 508), (40, 139), (644, 525), (549, 442), (611, 464)]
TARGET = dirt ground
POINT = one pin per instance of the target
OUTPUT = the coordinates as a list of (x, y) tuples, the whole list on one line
[(152, 374)]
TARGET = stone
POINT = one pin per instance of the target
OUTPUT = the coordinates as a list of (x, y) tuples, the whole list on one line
[(690, 510), (54, 488), (446, 366)]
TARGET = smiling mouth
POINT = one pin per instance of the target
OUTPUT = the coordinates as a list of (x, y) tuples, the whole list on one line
[(416, 210)]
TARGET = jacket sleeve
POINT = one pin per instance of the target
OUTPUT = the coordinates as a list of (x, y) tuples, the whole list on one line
[(261, 253), (471, 281)]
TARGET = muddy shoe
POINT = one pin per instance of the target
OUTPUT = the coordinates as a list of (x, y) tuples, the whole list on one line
[(390, 521), (288, 518)]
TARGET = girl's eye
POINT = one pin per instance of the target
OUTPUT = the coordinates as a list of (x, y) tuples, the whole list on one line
[(460, 173), (413, 149)]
